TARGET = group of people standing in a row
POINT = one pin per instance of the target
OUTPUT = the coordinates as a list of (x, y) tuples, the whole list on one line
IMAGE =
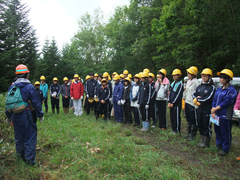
[(143, 97)]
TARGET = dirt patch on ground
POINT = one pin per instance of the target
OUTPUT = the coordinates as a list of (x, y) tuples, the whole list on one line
[(225, 167)]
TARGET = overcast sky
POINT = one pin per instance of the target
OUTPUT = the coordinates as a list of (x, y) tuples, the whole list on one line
[(59, 18)]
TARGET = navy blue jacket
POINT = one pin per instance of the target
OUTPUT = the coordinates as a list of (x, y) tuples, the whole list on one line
[(117, 93), (28, 92), (104, 93), (40, 94), (225, 98), (144, 94), (65, 90), (90, 87), (55, 88), (206, 92), (176, 93)]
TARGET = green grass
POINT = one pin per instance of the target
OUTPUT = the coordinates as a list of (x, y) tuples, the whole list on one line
[(67, 144)]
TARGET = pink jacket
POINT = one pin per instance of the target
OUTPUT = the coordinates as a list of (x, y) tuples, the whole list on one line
[(237, 104)]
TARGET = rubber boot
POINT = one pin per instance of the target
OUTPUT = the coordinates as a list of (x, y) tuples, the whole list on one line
[(143, 129), (206, 142), (146, 126), (57, 111), (53, 111), (200, 144), (46, 109), (193, 133), (189, 132)]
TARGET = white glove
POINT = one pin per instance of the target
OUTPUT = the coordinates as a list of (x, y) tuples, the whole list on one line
[(147, 107), (81, 97), (110, 99), (71, 98), (138, 106), (237, 113), (87, 96), (95, 96), (41, 119), (119, 102), (122, 102)]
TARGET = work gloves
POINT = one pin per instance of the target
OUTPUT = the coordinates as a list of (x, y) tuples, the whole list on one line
[(147, 107)]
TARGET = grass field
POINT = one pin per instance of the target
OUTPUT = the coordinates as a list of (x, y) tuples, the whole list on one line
[(72, 147)]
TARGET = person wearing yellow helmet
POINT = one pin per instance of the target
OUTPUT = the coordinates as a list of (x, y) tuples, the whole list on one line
[(202, 97), (109, 84), (222, 108), (125, 74), (190, 107), (55, 90), (152, 104), (162, 88), (175, 101), (134, 98), (117, 96), (90, 89), (65, 92), (96, 76), (44, 89), (39, 91), (76, 91), (144, 100), (125, 101), (103, 96)]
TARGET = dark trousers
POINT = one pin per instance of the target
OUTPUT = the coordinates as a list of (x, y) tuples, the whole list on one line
[(175, 118), (91, 105), (102, 108), (191, 115), (224, 134), (109, 109), (127, 111), (144, 112), (162, 113), (136, 114), (204, 124), (65, 102), (55, 103), (152, 112), (46, 104)]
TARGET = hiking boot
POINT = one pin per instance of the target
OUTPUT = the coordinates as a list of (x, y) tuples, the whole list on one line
[(206, 142), (222, 153), (200, 144), (189, 132), (153, 125)]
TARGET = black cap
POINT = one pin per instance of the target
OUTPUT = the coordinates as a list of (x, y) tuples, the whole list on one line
[(91, 74)]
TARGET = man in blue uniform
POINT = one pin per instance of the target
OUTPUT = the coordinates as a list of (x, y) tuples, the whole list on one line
[(25, 128)]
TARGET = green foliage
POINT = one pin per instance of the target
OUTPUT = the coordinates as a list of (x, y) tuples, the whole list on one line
[(18, 42)]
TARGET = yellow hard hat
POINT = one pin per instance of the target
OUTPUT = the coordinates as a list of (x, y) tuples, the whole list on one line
[(42, 78), (227, 72), (137, 76), (95, 74), (87, 77), (116, 77), (130, 76), (176, 72), (157, 75), (127, 79), (125, 72), (109, 78), (91, 99), (65, 79), (105, 74), (146, 70), (121, 76), (79, 78), (55, 79), (103, 80), (151, 75), (114, 73), (207, 71), (140, 74), (36, 83), (163, 71), (144, 75), (73, 81), (76, 76), (193, 70)]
